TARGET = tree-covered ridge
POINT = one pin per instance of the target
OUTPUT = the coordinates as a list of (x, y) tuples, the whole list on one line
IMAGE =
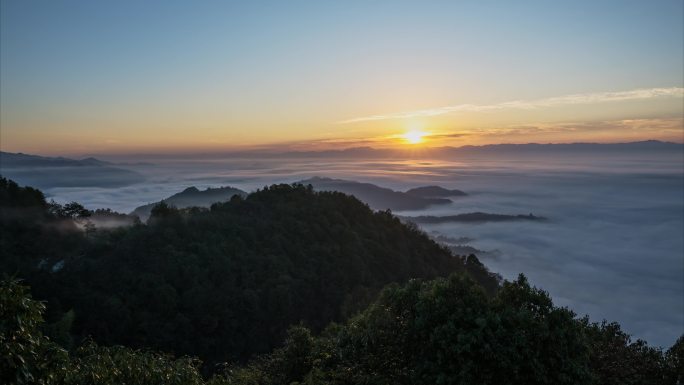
[(449, 331), (191, 197), (225, 283), (446, 331), (13, 195), (222, 283), (29, 357)]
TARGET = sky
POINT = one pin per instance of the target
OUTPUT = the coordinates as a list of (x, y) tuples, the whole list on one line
[(81, 77)]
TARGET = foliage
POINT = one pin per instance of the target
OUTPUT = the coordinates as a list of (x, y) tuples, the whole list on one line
[(283, 366), (225, 283), (615, 359), (26, 357), (448, 331), (674, 362), (445, 331), (14, 196), (96, 365)]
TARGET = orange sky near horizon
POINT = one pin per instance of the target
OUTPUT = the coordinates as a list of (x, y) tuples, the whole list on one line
[(539, 124), (223, 76)]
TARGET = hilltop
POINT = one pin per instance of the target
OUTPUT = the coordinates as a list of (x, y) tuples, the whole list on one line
[(379, 198), (221, 283), (191, 197)]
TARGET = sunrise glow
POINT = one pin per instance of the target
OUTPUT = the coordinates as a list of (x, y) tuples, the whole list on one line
[(371, 78), (414, 137)]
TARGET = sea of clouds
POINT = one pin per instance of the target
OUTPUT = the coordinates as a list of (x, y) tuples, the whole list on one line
[(613, 247)]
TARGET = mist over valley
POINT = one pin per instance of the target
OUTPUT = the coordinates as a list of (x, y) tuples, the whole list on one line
[(604, 239)]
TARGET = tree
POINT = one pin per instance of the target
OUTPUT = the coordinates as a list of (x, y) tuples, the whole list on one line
[(75, 210), (12, 195), (27, 356), (674, 362), (616, 360), (445, 331)]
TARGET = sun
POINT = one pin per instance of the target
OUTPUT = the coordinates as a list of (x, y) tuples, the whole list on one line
[(414, 136)]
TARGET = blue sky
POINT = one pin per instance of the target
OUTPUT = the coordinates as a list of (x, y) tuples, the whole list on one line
[(260, 72)]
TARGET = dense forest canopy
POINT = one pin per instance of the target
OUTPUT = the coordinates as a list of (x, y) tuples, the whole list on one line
[(445, 331), (224, 283), (284, 284)]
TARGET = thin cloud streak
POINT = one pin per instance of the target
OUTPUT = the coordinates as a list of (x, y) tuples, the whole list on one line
[(586, 98)]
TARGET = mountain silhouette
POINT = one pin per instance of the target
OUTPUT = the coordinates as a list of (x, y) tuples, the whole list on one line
[(49, 172), (191, 197), (378, 198)]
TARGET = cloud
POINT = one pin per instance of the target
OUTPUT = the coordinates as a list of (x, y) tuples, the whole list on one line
[(607, 250), (448, 135), (612, 246), (670, 129), (655, 128), (586, 98)]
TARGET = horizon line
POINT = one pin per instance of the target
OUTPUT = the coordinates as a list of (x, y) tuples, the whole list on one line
[(274, 151)]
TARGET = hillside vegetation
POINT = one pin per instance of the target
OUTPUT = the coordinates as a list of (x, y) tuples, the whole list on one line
[(446, 331), (283, 285), (222, 283), (191, 197)]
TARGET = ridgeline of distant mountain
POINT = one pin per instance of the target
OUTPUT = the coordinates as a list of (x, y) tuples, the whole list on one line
[(557, 148), (48, 172), (435, 192), (379, 198), (472, 217), (192, 197), (365, 152), (16, 160)]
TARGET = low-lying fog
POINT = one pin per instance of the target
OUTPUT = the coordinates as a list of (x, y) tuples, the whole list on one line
[(613, 246)]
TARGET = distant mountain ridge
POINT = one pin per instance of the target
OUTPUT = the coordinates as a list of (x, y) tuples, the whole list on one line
[(192, 197), (426, 152), (9, 159), (472, 217), (378, 198), (435, 192), (49, 172), (646, 146)]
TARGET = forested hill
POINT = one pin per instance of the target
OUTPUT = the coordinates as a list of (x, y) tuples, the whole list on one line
[(224, 283), (220, 283), (191, 197)]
